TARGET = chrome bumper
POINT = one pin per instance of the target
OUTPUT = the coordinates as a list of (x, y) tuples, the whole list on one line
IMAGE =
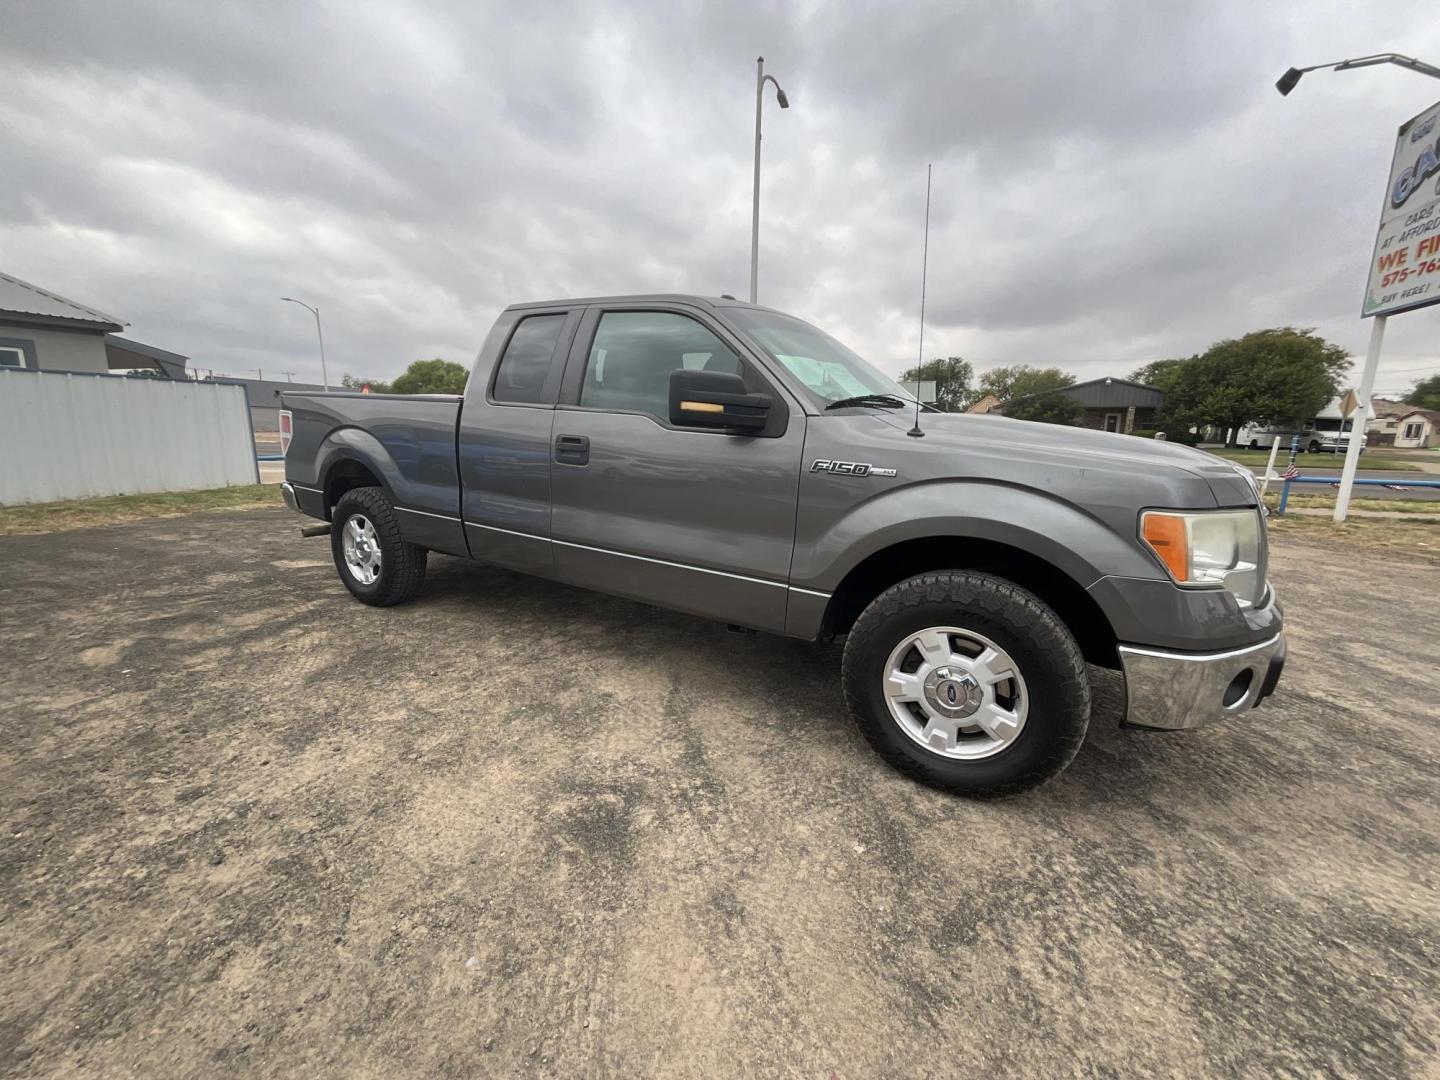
[(1170, 691), (287, 492)]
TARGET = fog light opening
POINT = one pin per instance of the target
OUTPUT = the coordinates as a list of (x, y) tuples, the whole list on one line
[(1238, 688)]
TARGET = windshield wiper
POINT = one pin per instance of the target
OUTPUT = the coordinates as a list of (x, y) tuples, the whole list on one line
[(884, 401)]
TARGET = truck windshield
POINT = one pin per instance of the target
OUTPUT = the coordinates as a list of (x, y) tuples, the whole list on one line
[(828, 370)]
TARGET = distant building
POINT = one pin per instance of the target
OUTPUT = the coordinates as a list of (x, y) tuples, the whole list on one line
[(264, 398), (1383, 423), (988, 403), (124, 354), (1418, 429), (1117, 405), (43, 331)]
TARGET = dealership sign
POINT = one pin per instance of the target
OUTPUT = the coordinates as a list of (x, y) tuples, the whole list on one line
[(1405, 269)]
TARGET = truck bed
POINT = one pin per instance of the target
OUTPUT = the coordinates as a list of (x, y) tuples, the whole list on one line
[(407, 440)]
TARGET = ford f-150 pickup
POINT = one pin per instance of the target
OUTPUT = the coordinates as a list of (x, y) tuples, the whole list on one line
[(734, 462)]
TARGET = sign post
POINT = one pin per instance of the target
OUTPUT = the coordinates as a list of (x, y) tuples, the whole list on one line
[(1362, 414), (1270, 466), (1405, 268)]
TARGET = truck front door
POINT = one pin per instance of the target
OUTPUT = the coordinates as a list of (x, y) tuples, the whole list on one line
[(688, 518)]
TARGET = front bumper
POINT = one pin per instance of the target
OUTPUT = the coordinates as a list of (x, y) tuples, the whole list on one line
[(1173, 691)]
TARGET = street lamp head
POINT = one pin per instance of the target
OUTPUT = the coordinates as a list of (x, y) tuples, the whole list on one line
[(1287, 82), (781, 98)]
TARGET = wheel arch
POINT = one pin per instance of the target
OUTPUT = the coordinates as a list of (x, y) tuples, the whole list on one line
[(351, 458), (890, 565)]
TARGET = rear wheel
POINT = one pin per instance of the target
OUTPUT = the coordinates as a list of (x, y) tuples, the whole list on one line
[(968, 683), (374, 561)]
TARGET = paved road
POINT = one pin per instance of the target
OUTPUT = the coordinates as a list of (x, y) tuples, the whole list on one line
[(254, 827)]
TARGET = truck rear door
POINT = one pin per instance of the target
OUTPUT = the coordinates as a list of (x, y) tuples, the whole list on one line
[(688, 518), (503, 440)]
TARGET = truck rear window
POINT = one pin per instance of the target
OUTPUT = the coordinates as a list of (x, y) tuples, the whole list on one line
[(522, 370)]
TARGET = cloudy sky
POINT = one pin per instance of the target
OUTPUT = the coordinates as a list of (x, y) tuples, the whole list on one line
[(1114, 182)]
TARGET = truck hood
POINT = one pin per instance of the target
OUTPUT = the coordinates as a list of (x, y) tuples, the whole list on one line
[(1067, 449)]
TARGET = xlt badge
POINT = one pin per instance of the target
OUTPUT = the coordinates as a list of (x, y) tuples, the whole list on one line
[(849, 468)]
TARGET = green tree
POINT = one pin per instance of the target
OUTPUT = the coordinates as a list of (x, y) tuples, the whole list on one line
[(1046, 407), (1276, 376), (1021, 380), (357, 382), (431, 377), (1158, 373), (952, 381), (1425, 394), (1031, 393)]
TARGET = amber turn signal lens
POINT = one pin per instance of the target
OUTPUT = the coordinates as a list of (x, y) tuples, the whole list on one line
[(1167, 537)]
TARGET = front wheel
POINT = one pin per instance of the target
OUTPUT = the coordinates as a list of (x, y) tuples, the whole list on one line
[(374, 561), (1314, 448), (968, 683)]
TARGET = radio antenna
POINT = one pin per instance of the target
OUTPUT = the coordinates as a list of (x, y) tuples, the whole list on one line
[(924, 271)]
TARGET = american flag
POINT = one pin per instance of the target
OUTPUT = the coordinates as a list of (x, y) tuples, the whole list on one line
[(1290, 473)]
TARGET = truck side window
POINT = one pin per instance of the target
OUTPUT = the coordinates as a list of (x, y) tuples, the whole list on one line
[(522, 370), (634, 353)]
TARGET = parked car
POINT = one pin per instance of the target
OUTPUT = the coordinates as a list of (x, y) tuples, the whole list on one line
[(731, 461), (1326, 433), (1328, 438)]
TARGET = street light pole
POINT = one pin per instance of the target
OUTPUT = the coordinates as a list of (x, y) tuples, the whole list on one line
[(324, 374), (1361, 416), (1287, 82), (760, 79)]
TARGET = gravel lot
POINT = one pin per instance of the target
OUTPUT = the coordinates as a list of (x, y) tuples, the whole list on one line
[(253, 827)]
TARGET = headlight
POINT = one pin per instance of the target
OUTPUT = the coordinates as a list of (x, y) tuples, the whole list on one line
[(1217, 547)]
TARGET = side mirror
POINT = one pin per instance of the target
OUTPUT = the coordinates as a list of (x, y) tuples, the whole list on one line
[(715, 399)]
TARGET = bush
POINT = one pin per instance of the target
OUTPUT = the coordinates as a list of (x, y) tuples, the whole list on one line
[(1144, 433)]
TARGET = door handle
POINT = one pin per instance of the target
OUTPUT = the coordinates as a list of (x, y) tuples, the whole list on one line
[(572, 449)]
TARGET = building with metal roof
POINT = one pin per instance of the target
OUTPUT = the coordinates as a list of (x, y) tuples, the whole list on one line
[(264, 398), (1113, 404), (127, 354), (42, 329)]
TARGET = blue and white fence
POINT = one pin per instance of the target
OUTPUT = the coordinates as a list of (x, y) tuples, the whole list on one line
[(1393, 485)]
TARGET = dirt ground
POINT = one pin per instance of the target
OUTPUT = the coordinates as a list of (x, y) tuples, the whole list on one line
[(253, 827)]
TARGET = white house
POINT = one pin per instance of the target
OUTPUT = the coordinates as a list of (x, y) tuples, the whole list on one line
[(1418, 428)]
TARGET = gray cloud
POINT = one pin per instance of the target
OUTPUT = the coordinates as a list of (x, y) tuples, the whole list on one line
[(1113, 182)]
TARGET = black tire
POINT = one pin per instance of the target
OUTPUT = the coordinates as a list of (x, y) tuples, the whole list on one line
[(1313, 448), (1254, 444), (402, 565), (1041, 646)]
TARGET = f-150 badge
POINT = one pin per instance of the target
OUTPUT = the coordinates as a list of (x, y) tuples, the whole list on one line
[(849, 468)]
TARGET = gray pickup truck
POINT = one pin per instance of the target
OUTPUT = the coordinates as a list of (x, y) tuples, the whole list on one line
[(734, 462)]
